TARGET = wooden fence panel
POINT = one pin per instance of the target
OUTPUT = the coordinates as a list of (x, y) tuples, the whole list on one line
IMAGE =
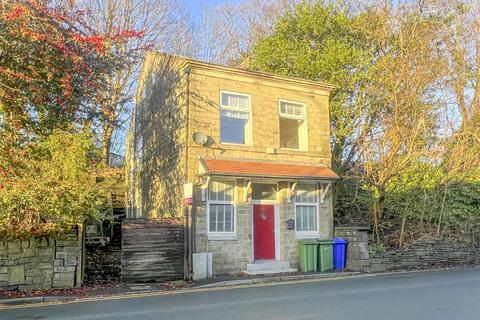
[(152, 250)]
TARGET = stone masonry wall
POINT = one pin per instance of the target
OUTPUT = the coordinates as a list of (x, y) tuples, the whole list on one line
[(421, 255), (229, 256), (426, 255), (205, 85), (232, 256), (357, 250), (265, 94), (41, 263), (160, 131)]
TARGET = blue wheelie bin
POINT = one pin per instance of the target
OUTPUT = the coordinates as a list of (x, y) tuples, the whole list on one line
[(339, 253)]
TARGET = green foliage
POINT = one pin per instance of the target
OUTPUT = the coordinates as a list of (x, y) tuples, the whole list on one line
[(390, 64), (412, 193), (424, 193), (53, 70), (320, 43), (47, 186), (375, 247)]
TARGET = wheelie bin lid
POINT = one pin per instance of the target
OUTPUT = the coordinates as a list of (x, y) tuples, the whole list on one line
[(340, 240), (309, 241), (325, 241)]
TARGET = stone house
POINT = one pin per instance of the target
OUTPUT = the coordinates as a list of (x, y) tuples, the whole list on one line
[(246, 154)]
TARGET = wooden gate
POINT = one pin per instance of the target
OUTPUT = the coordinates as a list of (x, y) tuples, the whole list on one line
[(152, 250)]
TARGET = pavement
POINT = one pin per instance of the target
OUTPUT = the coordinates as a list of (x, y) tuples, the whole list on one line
[(453, 294), (129, 289)]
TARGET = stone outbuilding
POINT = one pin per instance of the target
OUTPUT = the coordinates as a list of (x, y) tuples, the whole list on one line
[(243, 156)]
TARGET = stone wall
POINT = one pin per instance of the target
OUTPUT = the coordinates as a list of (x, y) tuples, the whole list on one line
[(265, 93), (41, 263), (228, 256), (357, 250), (427, 255), (231, 256), (421, 255), (158, 140)]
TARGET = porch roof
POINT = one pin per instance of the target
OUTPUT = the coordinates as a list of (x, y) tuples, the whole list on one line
[(266, 169)]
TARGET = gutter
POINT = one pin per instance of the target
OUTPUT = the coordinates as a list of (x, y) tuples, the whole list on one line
[(239, 175)]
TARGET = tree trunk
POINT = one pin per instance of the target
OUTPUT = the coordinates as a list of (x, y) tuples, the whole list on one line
[(400, 242), (378, 210), (439, 228), (107, 141)]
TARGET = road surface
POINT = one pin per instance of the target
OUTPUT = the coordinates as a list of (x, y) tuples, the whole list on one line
[(428, 295)]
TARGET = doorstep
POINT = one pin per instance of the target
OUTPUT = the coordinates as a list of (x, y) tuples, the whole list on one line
[(260, 267)]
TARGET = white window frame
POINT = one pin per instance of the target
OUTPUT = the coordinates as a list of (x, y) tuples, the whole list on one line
[(248, 128), (310, 233), (222, 235), (303, 117)]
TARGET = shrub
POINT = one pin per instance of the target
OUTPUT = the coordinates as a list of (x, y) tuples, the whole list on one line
[(47, 186)]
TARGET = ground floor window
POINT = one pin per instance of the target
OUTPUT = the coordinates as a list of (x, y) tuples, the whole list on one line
[(306, 208), (306, 218), (221, 217), (221, 207)]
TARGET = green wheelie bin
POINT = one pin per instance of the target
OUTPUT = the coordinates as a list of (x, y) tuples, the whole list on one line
[(308, 255), (325, 255)]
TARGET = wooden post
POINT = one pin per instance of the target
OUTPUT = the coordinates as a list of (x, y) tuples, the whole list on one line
[(80, 269)]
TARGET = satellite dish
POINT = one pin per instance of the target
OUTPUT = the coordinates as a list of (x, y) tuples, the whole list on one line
[(200, 138)]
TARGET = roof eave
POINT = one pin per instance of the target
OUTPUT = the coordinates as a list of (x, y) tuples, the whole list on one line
[(325, 86), (246, 175)]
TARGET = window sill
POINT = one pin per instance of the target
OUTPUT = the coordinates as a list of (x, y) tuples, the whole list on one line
[(291, 151), (235, 146), (222, 237), (307, 235)]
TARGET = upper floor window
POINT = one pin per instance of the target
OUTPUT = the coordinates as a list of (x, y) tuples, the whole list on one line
[(293, 126), (235, 114)]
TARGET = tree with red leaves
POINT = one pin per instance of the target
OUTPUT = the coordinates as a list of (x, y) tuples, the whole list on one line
[(53, 67), (52, 64)]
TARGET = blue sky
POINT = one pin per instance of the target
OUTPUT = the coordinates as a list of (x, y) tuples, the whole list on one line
[(195, 5)]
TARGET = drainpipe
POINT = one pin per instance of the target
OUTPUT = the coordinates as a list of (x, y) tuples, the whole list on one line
[(133, 154), (187, 243)]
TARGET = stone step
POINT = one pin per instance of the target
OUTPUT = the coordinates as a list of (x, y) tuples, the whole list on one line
[(264, 265), (272, 271)]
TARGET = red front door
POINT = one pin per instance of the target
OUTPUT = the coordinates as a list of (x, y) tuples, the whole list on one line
[(263, 232)]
